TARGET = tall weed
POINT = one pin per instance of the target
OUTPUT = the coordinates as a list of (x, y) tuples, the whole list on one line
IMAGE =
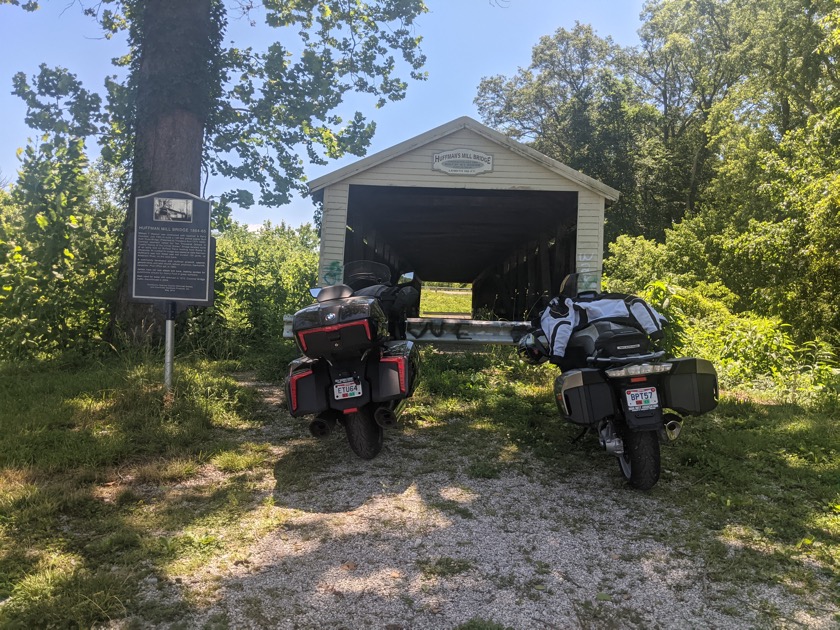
[(748, 350)]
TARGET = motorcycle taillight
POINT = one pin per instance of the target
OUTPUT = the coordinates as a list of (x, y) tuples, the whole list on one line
[(400, 362), (293, 386)]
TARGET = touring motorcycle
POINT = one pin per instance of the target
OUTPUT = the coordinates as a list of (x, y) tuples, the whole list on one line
[(615, 382), (357, 367)]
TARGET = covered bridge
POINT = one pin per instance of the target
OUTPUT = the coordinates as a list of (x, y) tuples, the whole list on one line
[(465, 203)]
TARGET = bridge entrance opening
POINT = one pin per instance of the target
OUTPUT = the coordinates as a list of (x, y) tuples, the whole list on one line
[(514, 246)]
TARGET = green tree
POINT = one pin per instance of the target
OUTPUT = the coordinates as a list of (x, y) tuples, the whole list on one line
[(192, 103), (576, 105), (58, 253)]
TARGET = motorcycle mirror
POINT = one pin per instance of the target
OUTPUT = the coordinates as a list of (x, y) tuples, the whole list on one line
[(314, 291), (407, 277)]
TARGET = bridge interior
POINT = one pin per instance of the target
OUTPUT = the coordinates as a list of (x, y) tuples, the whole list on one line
[(512, 245)]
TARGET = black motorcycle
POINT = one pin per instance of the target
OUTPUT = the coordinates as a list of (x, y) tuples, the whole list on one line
[(357, 368), (615, 382)]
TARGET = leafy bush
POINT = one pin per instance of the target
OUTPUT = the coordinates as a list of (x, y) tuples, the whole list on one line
[(59, 243), (748, 350), (260, 277), (60, 228)]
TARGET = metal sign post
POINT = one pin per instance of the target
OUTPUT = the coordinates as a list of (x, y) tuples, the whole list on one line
[(173, 259), (169, 352)]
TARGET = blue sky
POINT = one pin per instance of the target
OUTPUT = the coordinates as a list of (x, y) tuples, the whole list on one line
[(464, 40)]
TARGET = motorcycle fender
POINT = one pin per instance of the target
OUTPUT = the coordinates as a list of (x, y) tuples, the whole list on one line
[(348, 405), (650, 420), (646, 420)]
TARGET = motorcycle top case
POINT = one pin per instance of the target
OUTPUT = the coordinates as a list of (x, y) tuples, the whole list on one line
[(583, 396), (339, 328), (306, 387), (691, 388)]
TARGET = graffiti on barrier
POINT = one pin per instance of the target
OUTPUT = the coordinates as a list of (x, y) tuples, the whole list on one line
[(437, 328), (468, 330)]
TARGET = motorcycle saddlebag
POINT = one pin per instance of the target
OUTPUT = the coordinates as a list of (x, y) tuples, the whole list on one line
[(307, 387), (583, 396), (691, 388), (394, 376), (339, 327)]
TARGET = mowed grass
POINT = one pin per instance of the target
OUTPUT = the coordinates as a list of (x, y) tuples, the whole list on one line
[(89, 458), (108, 484), (439, 300)]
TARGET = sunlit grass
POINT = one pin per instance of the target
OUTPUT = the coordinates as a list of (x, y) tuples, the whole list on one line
[(436, 300), (86, 459)]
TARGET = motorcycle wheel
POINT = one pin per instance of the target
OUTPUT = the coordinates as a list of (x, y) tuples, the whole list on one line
[(363, 434), (640, 461)]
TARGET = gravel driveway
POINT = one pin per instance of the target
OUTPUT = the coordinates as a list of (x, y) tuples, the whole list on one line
[(398, 543)]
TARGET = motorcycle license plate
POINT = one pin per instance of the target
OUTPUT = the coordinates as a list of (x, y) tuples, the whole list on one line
[(642, 398), (346, 388)]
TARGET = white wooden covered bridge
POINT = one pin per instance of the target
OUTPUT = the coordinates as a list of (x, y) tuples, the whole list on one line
[(465, 203)]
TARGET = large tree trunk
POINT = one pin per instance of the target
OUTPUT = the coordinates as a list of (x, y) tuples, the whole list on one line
[(175, 88)]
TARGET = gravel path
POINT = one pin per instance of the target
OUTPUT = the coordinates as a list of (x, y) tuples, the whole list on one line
[(395, 544)]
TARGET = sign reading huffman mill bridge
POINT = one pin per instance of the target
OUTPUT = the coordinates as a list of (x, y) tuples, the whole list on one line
[(462, 162)]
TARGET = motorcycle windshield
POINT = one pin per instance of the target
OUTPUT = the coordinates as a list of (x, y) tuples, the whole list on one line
[(363, 273)]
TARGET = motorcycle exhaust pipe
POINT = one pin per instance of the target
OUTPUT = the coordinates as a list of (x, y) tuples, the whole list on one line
[(321, 427), (385, 417), (672, 427)]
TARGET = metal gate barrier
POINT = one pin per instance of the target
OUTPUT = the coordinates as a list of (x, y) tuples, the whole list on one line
[(425, 329)]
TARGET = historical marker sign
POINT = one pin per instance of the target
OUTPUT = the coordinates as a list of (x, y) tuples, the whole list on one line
[(173, 249)]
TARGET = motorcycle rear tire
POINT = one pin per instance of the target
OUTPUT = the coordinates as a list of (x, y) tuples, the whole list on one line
[(363, 433), (640, 462)]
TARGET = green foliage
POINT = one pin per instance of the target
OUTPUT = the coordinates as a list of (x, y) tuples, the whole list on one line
[(58, 104), (26, 6), (634, 263), (260, 277), (259, 108), (58, 248), (748, 350), (69, 556), (720, 130), (576, 103)]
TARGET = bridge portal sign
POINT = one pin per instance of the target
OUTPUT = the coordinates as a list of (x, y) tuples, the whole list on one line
[(173, 251), (462, 162)]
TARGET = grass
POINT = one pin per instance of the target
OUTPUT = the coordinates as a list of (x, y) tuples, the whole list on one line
[(765, 478), (88, 460), (106, 481), (443, 567), (439, 300)]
